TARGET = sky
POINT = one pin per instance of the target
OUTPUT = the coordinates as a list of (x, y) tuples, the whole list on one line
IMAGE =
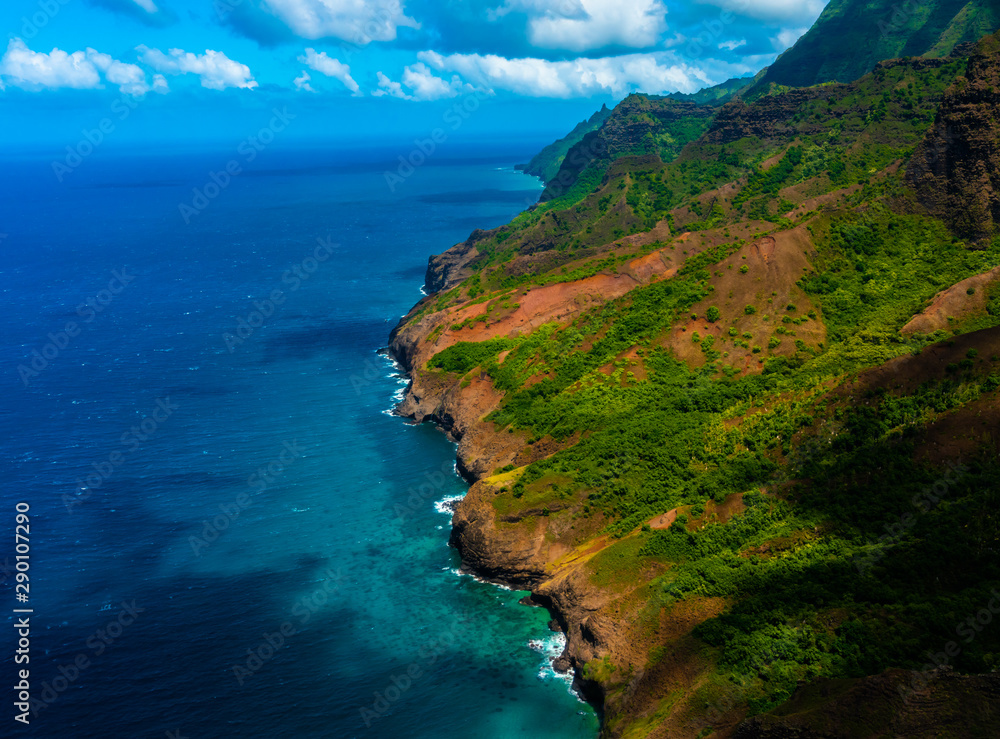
[(204, 70)]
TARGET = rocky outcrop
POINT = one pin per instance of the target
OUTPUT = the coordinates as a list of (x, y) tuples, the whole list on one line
[(449, 268), (956, 170), (769, 118), (494, 552), (523, 550)]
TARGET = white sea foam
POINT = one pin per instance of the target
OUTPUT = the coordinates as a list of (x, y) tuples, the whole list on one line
[(461, 573), (395, 371), (551, 648), (447, 505)]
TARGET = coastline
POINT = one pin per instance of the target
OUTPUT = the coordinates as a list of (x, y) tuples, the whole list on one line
[(560, 622), (484, 552)]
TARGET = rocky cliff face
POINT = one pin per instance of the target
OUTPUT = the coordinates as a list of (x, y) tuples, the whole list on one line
[(521, 549), (449, 268), (767, 119), (774, 116), (956, 170)]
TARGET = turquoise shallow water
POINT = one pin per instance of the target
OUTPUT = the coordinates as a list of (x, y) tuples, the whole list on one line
[(256, 524)]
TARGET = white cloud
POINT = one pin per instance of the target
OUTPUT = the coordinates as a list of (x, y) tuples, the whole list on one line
[(324, 64), (390, 88), (216, 70), (423, 84), (81, 70), (733, 45), (302, 82), (148, 5), (356, 21), (654, 73), (426, 86), (129, 78), (582, 25), (26, 68)]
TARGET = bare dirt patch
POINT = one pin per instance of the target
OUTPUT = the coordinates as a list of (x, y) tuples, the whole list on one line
[(958, 301)]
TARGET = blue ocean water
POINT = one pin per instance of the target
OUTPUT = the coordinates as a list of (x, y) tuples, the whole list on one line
[(230, 536)]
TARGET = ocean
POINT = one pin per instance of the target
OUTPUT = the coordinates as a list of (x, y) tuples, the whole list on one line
[(230, 533)]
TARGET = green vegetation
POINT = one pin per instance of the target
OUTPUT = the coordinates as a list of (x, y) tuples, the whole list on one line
[(770, 181), (850, 38), (840, 517), (467, 355), (876, 271)]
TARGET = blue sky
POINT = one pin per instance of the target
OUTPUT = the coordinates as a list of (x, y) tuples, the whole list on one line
[(199, 69)]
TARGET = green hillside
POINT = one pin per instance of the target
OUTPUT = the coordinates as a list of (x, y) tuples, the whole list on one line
[(751, 429), (852, 36)]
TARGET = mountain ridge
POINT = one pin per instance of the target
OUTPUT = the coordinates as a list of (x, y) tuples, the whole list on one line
[(545, 164), (851, 37)]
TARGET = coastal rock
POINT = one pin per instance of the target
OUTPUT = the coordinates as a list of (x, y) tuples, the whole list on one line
[(449, 268), (497, 553)]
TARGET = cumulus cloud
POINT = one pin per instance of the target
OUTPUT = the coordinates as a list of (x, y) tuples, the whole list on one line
[(81, 70), (427, 86), (216, 70), (390, 88), (302, 82), (324, 64), (421, 84), (598, 23), (655, 73), (351, 20), (26, 68), (129, 78)]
